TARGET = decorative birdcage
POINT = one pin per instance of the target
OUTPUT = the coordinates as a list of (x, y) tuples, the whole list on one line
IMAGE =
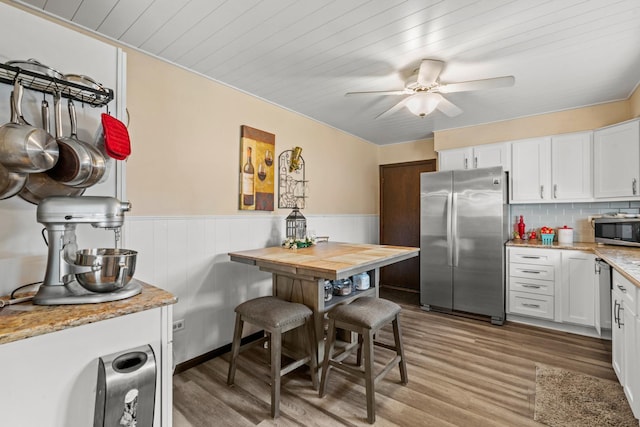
[(296, 225)]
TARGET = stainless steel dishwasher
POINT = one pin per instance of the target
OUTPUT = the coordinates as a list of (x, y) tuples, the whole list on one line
[(604, 271)]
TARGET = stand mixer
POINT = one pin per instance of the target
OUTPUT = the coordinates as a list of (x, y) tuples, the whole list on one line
[(67, 270)]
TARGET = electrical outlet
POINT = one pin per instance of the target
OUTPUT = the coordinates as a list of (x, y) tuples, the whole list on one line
[(178, 325)]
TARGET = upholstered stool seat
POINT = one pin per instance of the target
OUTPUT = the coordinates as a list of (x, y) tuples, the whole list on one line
[(365, 316), (276, 317)]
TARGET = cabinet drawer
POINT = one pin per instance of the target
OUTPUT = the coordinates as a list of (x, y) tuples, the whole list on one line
[(628, 291), (531, 304), (534, 256), (542, 287), (529, 271)]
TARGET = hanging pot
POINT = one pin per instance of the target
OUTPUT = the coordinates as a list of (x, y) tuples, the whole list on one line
[(98, 164), (74, 166), (24, 148), (37, 186), (11, 182)]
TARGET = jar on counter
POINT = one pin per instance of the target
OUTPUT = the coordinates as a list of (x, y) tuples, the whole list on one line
[(342, 287), (361, 281), (328, 290)]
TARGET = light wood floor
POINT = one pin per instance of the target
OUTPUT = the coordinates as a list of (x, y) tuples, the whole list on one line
[(462, 372)]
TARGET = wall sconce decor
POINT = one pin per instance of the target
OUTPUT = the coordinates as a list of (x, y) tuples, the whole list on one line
[(292, 186)]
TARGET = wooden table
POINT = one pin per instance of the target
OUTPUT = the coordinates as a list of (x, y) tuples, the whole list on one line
[(299, 274)]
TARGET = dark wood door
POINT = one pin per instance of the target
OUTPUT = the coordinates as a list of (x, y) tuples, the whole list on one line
[(400, 219)]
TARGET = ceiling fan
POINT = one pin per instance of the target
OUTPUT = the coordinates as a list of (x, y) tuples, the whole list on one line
[(423, 90)]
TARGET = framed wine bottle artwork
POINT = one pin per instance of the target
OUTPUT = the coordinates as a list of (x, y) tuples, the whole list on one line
[(257, 172)]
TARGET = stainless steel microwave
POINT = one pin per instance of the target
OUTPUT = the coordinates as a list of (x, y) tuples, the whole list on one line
[(618, 231)]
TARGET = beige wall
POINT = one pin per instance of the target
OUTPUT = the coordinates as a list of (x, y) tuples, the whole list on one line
[(406, 152), (185, 132), (527, 127)]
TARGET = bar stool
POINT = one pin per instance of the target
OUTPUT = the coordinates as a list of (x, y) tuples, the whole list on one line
[(365, 316), (276, 317)]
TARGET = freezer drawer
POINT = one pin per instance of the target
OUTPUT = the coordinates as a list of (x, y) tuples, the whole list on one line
[(531, 304), (528, 271), (533, 286)]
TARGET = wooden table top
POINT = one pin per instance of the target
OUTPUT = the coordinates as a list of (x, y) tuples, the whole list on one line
[(328, 260)]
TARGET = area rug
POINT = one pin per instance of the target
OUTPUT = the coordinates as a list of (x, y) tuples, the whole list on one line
[(571, 399)]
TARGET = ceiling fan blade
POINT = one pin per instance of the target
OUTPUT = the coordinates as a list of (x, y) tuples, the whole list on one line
[(493, 83), (448, 108), (393, 109), (429, 71), (379, 92)]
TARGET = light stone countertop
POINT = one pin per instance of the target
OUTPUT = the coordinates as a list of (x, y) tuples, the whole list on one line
[(25, 320), (626, 260)]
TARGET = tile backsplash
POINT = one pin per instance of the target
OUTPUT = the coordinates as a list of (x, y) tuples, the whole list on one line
[(574, 215)]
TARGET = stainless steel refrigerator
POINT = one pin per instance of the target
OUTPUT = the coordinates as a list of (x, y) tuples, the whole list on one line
[(463, 228)]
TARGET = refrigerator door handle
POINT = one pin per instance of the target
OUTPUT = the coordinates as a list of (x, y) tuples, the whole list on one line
[(454, 228), (448, 213)]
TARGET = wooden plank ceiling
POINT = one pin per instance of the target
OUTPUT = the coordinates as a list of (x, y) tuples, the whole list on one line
[(305, 55)]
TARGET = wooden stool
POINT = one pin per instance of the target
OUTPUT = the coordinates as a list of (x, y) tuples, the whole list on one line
[(365, 316), (276, 317)]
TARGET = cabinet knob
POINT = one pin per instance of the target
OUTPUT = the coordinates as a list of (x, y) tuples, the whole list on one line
[(555, 191), (633, 186), (542, 191)]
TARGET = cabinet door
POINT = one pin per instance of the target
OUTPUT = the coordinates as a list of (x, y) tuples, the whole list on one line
[(629, 359), (531, 170), (579, 282), (459, 158), (617, 334), (616, 156), (571, 166), (635, 376), (486, 156)]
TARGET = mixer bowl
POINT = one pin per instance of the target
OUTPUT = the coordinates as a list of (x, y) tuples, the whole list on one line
[(111, 268)]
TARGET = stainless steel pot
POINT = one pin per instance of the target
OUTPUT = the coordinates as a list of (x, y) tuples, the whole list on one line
[(11, 182), (74, 166), (111, 268), (24, 148), (37, 186), (98, 163)]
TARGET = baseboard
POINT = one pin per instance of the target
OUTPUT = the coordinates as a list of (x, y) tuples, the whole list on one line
[(181, 367), (400, 288)]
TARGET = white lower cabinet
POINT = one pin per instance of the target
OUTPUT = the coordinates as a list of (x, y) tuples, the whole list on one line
[(51, 379), (553, 284), (578, 290), (532, 275), (625, 341)]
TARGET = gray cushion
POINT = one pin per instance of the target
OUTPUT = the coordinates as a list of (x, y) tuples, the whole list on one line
[(367, 312), (272, 312)]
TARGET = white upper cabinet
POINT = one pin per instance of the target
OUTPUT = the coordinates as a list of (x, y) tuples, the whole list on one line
[(479, 156), (571, 166), (617, 161), (531, 170), (455, 159), (552, 169)]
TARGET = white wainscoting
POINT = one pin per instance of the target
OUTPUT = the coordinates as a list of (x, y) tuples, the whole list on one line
[(187, 256)]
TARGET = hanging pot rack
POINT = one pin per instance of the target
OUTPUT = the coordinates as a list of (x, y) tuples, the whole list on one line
[(51, 85)]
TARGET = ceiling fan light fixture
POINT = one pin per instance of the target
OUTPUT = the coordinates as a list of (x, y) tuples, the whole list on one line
[(423, 103)]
